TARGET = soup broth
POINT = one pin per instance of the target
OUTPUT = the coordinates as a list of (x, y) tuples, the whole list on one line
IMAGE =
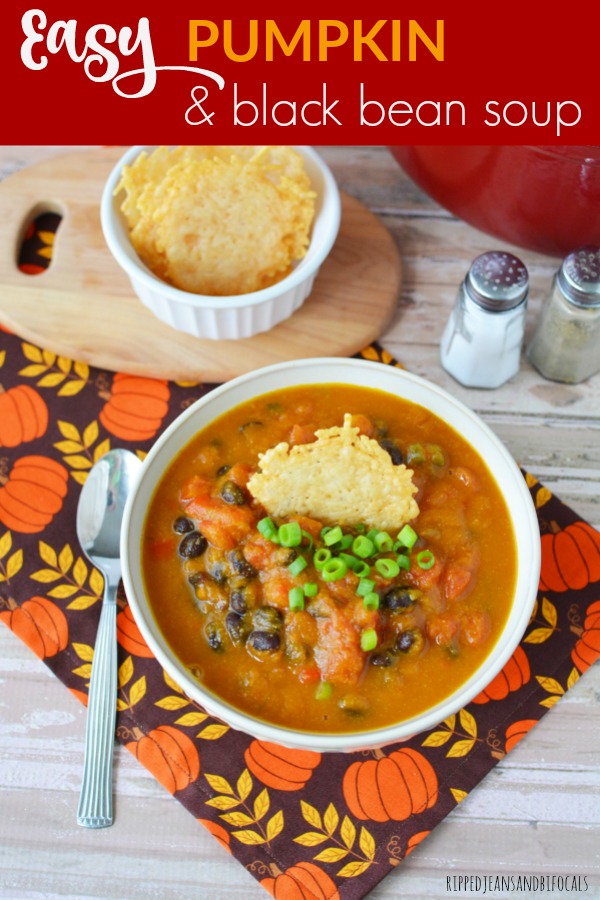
[(377, 644)]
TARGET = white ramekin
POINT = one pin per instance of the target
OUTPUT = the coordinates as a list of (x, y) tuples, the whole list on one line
[(231, 317), (353, 372)]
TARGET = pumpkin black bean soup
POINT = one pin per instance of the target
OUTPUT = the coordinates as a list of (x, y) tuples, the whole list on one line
[(330, 558)]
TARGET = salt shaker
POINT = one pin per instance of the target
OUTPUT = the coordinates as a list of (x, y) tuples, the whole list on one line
[(566, 341), (481, 344)]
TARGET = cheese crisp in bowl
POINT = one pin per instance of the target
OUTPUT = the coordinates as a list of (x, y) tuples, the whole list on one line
[(222, 242)]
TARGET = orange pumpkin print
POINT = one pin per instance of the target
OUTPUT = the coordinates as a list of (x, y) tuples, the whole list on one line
[(220, 833), (570, 558), (415, 840), (129, 635), (136, 407), (518, 730), (281, 768), (392, 787), (304, 881), (23, 416), (513, 676), (587, 648), (169, 754), (40, 623), (32, 494)]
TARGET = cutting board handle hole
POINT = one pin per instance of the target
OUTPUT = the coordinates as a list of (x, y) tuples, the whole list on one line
[(36, 247)]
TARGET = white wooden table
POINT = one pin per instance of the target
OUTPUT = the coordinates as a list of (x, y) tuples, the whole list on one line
[(537, 812)]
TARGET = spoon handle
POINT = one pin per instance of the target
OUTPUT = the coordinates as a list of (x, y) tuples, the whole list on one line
[(95, 802)]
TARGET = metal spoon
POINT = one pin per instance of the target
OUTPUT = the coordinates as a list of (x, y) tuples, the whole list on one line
[(99, 516)]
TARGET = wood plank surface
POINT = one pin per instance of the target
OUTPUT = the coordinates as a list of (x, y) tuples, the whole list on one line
[(537, 812)]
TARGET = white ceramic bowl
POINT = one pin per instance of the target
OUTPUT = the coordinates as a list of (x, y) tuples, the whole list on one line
[(233, 317), (369, 374)]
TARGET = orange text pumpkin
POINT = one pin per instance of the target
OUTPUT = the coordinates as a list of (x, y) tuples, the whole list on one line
[(23, 416), (570, 558), (304, 881), (32, 494), (587, 648), (129, 635), (390, 787), (40, 623), (513, 676), (136, 407), (518, 730), (170, 755), (279, 767)]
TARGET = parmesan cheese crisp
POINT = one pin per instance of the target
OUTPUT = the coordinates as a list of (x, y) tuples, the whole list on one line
[(343, 477)]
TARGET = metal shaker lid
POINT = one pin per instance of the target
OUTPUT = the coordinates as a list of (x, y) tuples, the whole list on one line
[(497, 281), (579, 277)]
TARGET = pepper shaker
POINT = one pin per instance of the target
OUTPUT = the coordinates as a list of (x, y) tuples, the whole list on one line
[(481, 344), (565, 345)]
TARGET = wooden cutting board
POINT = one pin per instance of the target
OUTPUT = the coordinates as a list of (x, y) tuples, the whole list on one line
[(83, 306)]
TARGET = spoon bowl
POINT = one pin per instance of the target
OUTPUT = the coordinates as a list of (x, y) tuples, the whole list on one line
[(99, 517)]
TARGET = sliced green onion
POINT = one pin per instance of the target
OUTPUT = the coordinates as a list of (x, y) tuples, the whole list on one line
[(290, 534), (384, 542), (309, 538), (267, 527), (361, 529), (297, 566), (296, 599), (324, 691), (362, 546), (415, 454), (322, 556), (368, 640), (425, 559), (311, 589), (403, 561), (389, 568), (333, 536), (371, 600), (362, 568), (365, 586), (325, 530), (334, 569), (372, 534), (407, 537), (351, 561), (346, 541)]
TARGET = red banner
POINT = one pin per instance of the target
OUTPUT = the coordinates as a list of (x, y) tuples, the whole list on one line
[(422, 72)]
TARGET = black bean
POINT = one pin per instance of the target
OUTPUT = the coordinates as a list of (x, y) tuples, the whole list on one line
[(223, 471), (249, 424), (405, 641), (241, 565), (233, 494), (215, 636), (183, 525), (237, 601), (398, 599), (382, 659), (264, 640), (394, 451), (267, 618), (354, 705), (235, 626), (192, 545)]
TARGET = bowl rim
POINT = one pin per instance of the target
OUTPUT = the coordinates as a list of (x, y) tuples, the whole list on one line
[(523, 518), (329, 214)]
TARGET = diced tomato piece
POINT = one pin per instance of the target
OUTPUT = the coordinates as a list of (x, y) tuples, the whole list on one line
[(222, 524), (364, 424), (309, 675), (475, 627), (240, 474), (466, 476), (276, 587), (337, 653), (311, 526), (442, 629), (195, 486), (258, 551), (456, 580), (424, 579), (301, 434)]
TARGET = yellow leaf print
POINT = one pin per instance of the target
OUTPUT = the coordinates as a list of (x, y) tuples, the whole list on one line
[(14, 564), (437, 738), (468, 723), (213, 732), (458, 795), (353, 869), (32, 353), (331, 819), (542, 497), (311, 814), (84, 652), (550, 684), (460, 748), (172, 702), (71, 388), (189, 720), (332, 855), (249, 837), (125, 673), (5, 544), (275, 825), (219, 784), (311, 838)]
